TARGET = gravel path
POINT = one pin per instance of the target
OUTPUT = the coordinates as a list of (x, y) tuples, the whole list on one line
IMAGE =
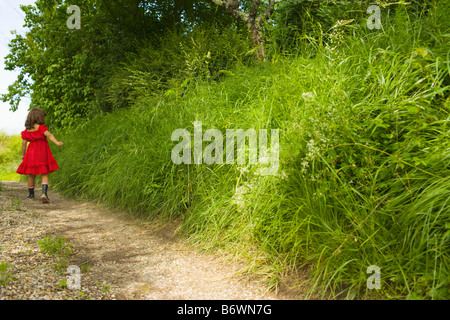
[(118, 257)]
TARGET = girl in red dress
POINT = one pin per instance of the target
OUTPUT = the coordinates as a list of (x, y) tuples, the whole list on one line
[(37, 159)]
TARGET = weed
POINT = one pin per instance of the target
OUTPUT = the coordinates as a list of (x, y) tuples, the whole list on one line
[(62, 283), (85, 266), (61, 264), (104, 287), (56, 246), (5, 274), (14, 204)]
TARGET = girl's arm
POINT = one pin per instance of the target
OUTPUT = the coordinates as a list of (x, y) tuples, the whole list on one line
[(52, 138), (24, 147)]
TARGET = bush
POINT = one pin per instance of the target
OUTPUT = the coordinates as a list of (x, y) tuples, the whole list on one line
[(204, 53)]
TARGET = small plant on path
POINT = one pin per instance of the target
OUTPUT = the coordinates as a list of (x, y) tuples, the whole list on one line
[(5, 275), (56, 246)]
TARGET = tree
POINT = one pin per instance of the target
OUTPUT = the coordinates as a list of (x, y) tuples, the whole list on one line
[(253, 19), (66, 71), (62, 69)]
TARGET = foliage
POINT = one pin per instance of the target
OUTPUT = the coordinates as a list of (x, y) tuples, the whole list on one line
[(257, 13), (205, 53), (62, 283), (10, 156), (5, 274), (297, 22), (54, 246), (65, 71)]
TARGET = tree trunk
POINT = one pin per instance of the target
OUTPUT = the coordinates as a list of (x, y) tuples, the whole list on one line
[(255, 31), (252, 20)]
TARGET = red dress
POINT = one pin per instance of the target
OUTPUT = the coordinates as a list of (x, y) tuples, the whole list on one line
[(38, 158)]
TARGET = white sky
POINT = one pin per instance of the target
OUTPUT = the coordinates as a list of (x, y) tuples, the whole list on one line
[(11, 18)]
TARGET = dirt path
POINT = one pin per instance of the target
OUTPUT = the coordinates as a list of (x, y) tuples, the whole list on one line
[(119, 257)]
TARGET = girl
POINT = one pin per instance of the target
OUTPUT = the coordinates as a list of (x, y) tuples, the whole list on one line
[(37, 159)]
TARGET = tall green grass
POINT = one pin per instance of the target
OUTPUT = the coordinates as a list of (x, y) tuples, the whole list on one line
[(10, 156), (364, 163)]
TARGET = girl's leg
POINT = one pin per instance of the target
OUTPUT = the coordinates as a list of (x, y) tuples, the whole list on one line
[(31, 179), (44, 196)]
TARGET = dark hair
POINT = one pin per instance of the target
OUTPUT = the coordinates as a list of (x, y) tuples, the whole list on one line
[(35, 116)]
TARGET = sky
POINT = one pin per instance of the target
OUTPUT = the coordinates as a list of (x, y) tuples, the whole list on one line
[(11, 18)]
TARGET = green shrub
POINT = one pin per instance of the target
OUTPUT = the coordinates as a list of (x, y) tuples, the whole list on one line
[(5, 275), (55, 246), (205, 52)]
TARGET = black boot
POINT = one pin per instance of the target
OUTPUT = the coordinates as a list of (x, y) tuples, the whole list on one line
[(44, 196), (30, 193)]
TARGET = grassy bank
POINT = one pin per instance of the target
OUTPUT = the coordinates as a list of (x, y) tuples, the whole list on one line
[(10, 156), (364, 163)]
